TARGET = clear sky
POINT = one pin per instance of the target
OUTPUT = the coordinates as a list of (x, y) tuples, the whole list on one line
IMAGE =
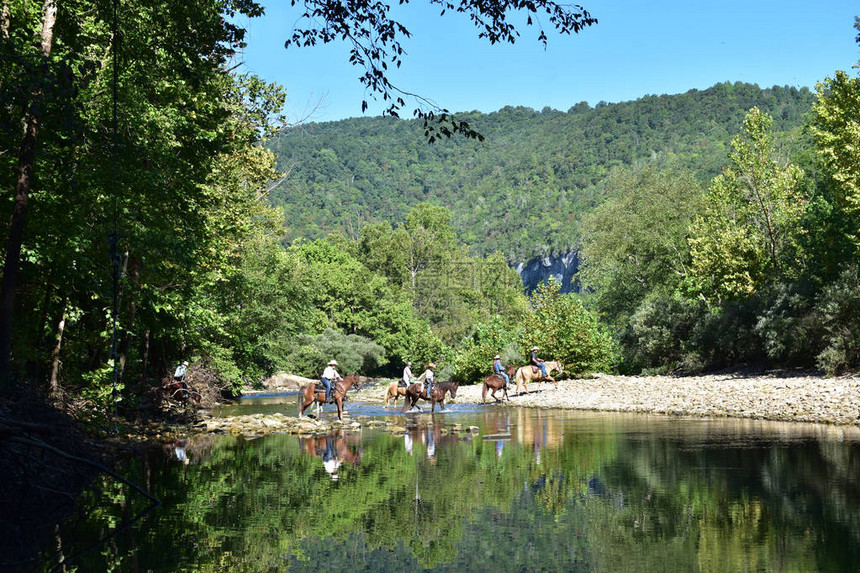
[(637, 48)]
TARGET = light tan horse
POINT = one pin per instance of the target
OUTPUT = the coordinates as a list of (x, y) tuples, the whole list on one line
[(395, 390), (526, 374)]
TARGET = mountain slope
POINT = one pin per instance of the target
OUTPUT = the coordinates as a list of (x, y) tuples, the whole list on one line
[(523, 190)]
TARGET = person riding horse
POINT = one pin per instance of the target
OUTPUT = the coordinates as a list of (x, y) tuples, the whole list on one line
[(535, 361), (329, 379), (428, 379), (407, 378), (499, 370)]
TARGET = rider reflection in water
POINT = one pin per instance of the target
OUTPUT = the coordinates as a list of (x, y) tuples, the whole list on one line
[(330, 459), (431, 446)]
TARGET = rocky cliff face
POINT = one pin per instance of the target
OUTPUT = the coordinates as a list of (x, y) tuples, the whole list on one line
[(561, 267)]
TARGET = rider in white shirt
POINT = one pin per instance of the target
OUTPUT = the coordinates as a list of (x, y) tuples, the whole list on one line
[(428, 378), (330, 378), (408, 378)]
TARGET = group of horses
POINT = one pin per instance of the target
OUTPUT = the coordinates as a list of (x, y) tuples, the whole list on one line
[(315, 393), (523, 375)]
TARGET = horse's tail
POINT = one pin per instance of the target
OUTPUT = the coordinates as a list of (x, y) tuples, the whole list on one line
[(300, 397), (520, 378)]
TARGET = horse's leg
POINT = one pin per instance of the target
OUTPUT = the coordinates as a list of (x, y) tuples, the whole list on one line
[(484, 393), (339, 403)]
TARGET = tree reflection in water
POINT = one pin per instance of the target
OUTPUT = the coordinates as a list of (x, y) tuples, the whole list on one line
[(533, 490)]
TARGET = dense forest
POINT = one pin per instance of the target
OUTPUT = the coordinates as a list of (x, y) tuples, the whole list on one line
[(523, 189)]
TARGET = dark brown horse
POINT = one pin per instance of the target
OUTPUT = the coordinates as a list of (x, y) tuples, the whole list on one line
[(437, 394), (495, 382), (179, 390), (315, 393)]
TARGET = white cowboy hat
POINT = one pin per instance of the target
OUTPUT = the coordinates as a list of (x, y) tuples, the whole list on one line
[(185, 363), (409, 364), (535, 348), (333, 363), (497, 357)]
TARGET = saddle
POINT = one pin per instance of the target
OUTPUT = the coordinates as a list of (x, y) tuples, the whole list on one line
[(535, 369), (320, 389)]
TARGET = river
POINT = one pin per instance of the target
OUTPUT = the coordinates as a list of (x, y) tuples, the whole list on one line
[(485, 489)]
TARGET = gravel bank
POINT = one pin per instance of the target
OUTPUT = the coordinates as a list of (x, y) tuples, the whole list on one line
[(784, 397)]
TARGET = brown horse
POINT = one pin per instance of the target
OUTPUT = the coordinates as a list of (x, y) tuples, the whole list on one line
[(437, 394), (313, 393), (527, 373), (495, 382), (179, 390), (395, 390)]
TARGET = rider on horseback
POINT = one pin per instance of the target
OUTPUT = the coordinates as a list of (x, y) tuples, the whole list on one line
[(428, 379), (535, 361), (329, 378), (499, 370), (407, 378)]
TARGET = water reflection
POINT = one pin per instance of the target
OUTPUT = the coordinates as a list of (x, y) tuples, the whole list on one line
[(528, 490)]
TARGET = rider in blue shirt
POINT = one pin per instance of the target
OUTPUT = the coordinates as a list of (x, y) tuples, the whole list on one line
[(499, 369)]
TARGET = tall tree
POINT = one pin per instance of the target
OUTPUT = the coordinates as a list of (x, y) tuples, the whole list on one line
[(749, 234), (836, 126)]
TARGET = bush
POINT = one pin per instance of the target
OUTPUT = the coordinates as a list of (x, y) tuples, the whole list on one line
[(789, 328), (473, 360), (353, 353), (839, 309), (656, 339), (564, 330)]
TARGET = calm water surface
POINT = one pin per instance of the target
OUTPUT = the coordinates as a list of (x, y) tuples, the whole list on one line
[(534, 490)]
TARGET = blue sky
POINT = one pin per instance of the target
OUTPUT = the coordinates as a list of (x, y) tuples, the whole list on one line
[(637, 48)]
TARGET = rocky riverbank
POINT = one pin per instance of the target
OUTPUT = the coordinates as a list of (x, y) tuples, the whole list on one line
[(784, 396)]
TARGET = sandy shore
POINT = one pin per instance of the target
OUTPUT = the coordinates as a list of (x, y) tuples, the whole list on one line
[(784, 397)]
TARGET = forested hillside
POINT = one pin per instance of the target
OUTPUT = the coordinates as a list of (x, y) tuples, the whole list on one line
[(523, 189)]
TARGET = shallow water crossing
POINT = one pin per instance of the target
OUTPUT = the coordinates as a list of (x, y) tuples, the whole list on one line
[(480, 489)]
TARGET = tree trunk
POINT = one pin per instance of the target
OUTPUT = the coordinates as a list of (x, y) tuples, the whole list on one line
[(26, 160), (54, 387), (134, 277)]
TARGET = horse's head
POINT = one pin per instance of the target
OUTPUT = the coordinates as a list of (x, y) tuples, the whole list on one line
[(453, 389), (353, 380)]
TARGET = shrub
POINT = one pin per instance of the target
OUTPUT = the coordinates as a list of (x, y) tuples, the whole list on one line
[(839, 308), (353, 353), (564, 330)]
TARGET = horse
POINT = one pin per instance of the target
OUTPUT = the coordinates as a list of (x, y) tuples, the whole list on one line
[(395, 390), (437, 394), (526, 373), (179, 389), (314, 393), (495, 382)]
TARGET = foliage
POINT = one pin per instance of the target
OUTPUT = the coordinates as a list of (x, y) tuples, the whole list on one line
[(750, 231), (839, 307), (564, 330), (634, 244), (523, 190), (473, 357), (354, 353), (657, 337), (836, 127)]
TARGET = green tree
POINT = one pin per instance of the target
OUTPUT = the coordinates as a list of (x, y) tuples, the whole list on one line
[(634, 244), (750, 232), (836, 127), (564, 330)]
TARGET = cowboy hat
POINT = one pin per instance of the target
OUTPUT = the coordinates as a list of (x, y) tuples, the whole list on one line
[(333, 363), (535, 348), (431, 365), (497, 357)]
